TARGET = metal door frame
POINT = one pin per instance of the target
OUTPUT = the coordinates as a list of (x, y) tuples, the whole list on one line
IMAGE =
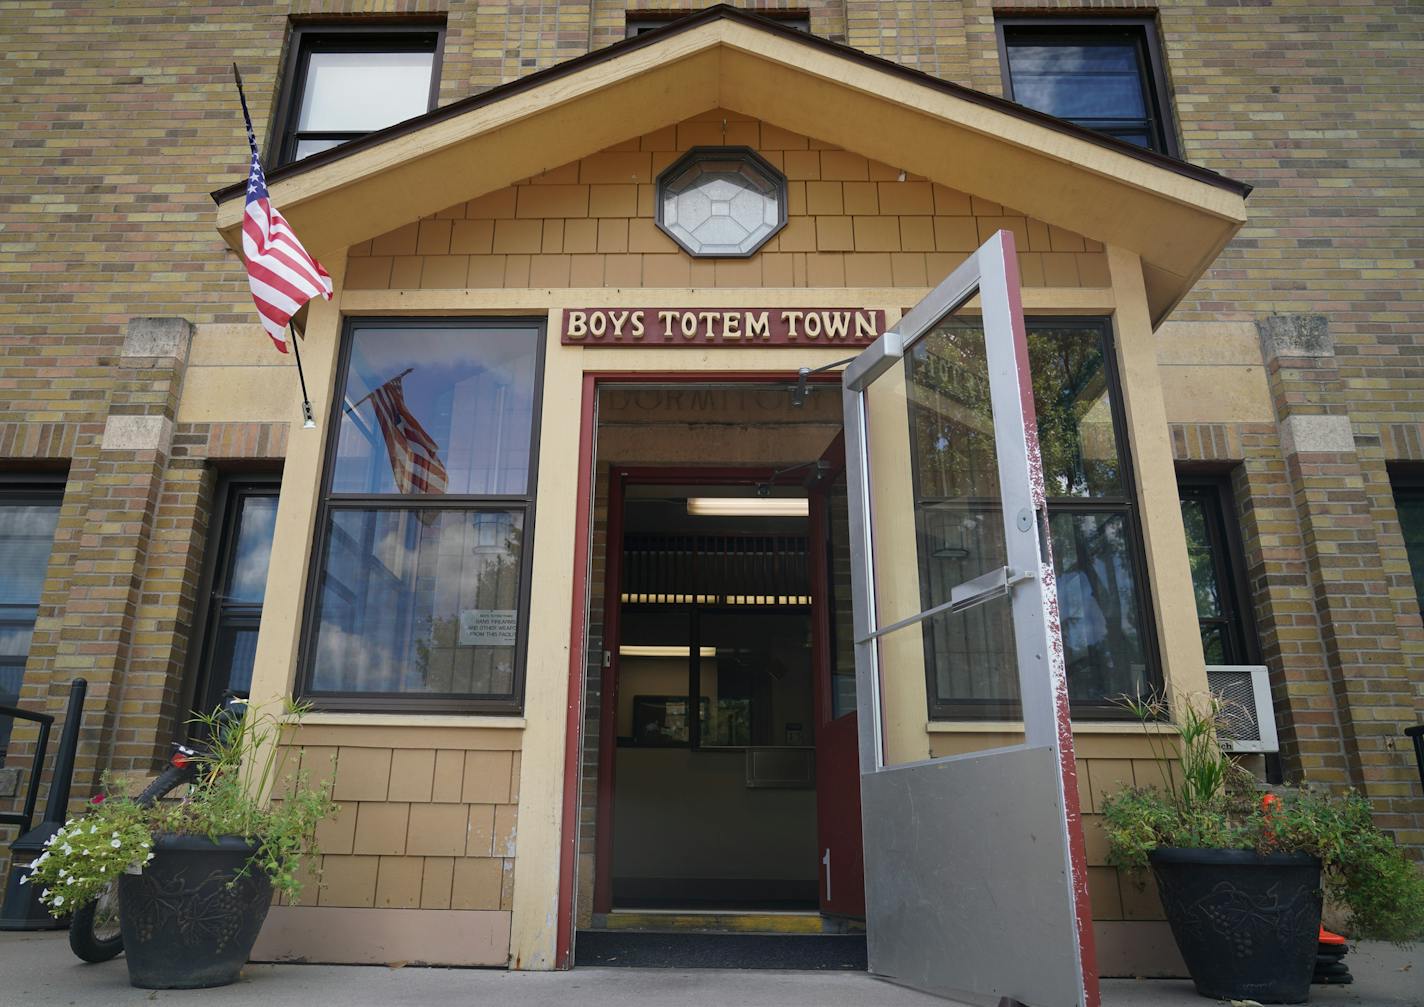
[(1028, 578)]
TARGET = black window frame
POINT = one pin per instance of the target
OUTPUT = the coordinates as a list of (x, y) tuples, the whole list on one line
[(408, 35), (1124, 503), (213, 611), (1407, 482), (387, 702), (1143, 31), (28, 487), (1214, 490), (640, 22)]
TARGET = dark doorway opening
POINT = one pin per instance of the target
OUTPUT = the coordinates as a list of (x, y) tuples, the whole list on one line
[(714, 784)]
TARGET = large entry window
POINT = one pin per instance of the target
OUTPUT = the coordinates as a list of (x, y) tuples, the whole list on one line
[(422, 574), (29, 514), (1102, 598), (240, 556)]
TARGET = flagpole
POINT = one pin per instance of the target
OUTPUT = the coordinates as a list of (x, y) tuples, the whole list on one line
[(308, 421), (257, 184)]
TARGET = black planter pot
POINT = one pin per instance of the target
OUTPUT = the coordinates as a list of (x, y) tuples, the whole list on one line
[(1246, 924), (186, 923)]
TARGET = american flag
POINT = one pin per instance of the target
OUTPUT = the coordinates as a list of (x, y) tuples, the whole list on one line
[(282, 275), (414, 458)]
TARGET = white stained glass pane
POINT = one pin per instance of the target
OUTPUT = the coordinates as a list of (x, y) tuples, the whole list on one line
[(358, 91)]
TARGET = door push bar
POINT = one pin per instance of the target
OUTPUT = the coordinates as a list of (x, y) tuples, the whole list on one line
[(962, 597)]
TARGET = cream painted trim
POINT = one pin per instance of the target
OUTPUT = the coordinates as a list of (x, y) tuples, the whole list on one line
[(406, 720), (1040, 300), (1159, 505), (1016, 727), (534, 923), (278, 635)]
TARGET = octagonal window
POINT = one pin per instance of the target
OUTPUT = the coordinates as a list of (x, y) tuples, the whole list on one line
[(721, 201)]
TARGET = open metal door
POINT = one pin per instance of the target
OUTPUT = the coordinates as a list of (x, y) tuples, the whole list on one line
[(974, 867)]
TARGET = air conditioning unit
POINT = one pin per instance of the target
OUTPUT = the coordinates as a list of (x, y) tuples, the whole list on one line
[(1247, 722)]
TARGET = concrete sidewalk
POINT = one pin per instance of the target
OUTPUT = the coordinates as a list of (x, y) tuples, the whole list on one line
[(37, 970)]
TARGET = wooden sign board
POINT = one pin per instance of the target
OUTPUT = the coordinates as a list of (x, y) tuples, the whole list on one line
[(722, 326)]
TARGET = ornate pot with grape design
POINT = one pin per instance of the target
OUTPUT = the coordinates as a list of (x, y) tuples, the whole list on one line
[(1247, 924), (190, 919)]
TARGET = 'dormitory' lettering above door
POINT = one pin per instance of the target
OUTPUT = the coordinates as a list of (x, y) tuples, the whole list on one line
[(722, 326)]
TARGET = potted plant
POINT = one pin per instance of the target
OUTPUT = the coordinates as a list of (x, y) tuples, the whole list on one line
[(1240, 877), (195, 875)]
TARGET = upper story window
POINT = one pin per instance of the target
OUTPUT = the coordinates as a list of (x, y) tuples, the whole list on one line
[(640, 22), (422, 569), (1106, 75), (345, 81)]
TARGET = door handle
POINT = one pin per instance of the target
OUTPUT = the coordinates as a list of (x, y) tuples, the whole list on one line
[(827, 861)]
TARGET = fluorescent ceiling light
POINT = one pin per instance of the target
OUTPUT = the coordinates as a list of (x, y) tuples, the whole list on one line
[(635, 650), (749, 506)]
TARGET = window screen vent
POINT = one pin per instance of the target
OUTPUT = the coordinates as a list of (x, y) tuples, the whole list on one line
[(1247, 722)]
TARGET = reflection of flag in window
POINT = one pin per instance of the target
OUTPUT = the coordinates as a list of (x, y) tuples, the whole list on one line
[(415, 462)]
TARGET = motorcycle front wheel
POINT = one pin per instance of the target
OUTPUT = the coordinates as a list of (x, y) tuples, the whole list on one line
[(94, 929)]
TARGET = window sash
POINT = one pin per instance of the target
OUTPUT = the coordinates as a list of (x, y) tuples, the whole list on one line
[(426, 36), (1409, 498), (215, 612), (16, 615), (1233, 617), (332, 502), (1123, 503), (1085, 31)]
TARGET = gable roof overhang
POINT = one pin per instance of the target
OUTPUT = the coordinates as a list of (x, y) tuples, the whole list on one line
[(1176, 216)]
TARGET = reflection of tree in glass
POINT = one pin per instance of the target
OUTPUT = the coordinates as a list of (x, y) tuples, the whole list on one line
[(1075, 434), (440, 660)]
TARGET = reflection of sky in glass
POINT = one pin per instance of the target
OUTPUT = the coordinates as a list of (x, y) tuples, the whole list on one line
[(253, 549), (394, 589), (26, 535), (472, 390), (359, 91), (1098, 81)]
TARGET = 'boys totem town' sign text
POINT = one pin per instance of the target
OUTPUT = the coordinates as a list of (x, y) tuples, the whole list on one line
[(722, 326)]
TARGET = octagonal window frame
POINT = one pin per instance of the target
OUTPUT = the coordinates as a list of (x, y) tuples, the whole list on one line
[(734, 153)]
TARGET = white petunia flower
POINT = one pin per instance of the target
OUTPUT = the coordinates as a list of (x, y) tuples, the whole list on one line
[(59, 900), (115, 843)]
